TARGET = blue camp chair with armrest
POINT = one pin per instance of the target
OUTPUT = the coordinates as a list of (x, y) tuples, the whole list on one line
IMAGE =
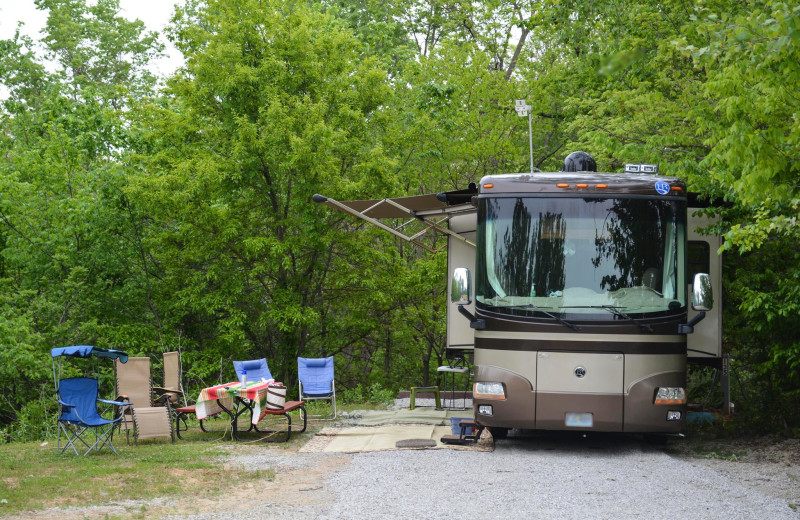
[(78, 414), (257, 369), (316, 380)]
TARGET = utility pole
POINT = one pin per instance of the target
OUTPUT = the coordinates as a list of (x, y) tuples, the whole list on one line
[(523, 109)]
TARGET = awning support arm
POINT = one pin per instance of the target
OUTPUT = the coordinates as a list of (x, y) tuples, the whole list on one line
[(430, 223), (372, 221)]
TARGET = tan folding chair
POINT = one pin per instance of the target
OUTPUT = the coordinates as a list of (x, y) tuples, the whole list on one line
[(135, 385), (172, 390)]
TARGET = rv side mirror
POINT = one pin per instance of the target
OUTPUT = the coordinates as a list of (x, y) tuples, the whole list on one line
[(461, 286), (702, 295)]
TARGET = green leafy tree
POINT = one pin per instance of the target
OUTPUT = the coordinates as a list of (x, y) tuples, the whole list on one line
[(69, 268), (274, 105), (749, 119)]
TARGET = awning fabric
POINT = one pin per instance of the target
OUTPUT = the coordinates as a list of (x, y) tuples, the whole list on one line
[(86, 351)]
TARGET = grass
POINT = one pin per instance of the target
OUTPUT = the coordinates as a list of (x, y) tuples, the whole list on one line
[(719, 452), (33, 476)]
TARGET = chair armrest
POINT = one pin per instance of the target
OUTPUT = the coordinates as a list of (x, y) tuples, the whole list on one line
[(164, 395), (115, 403), (65, 405), (162, 390)]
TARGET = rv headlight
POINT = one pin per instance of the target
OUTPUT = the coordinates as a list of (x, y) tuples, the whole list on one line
[(670, 395), (488, 390)]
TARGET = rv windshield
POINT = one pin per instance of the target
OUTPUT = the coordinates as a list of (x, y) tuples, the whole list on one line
[(600, 256)]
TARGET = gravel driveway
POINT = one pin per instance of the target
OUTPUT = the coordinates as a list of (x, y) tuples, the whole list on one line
[(552, 476), (558, 477)]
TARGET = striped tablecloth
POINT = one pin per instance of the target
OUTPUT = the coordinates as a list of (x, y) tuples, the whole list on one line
[(208, 404)]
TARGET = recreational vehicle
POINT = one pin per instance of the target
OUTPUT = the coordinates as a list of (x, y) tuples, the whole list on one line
[(575, 294)]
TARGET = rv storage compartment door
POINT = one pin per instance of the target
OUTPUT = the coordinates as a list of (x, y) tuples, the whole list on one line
[(577, 390)]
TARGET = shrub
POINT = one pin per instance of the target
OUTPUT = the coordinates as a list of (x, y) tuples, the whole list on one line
[(35, 421)]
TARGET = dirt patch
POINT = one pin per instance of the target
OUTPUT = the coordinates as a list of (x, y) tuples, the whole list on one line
[(294, 490), (767, 464)]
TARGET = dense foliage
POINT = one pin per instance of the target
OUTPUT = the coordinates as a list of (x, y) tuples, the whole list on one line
[(153, 214)]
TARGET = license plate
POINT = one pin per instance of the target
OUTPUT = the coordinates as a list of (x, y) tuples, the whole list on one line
[(579, 420)]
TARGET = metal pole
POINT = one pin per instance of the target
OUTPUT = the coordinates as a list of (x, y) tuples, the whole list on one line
[(524, 109), (725, 381), (530, 138)]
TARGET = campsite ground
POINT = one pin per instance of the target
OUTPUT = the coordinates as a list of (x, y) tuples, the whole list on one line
[(770, 465), (289, 483)]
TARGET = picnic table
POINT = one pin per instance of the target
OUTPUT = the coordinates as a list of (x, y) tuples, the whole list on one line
[(236, 401)]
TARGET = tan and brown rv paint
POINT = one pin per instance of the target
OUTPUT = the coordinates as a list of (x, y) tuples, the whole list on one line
[(597, 362), (554, 299)]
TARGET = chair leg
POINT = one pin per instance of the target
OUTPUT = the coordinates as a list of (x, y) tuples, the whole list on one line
[(74, 433), (323, 417), (180, 417), (70, 437), (58, 442), (304, 415), (182, 424), (102, 438)]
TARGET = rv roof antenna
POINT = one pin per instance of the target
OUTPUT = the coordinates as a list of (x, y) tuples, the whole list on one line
[(524, 109)]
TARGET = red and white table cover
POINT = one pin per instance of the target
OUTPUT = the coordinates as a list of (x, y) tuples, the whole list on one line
[(208, 404)]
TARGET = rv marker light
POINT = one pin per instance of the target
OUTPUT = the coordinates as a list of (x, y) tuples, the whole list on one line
[(488, 186)]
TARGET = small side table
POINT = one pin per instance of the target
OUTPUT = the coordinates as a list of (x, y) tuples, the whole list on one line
[(413, 398), (453, 371)]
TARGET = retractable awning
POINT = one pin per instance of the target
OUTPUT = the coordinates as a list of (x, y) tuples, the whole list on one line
[(432, 211)]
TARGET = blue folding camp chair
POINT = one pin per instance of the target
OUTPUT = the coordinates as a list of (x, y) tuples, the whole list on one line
[(77, 401), (257, 369), (316, 380)]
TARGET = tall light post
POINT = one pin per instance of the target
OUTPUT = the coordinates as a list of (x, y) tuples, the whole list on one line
[(523, 109)]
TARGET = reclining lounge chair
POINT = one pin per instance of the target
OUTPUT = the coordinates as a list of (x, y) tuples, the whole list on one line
[(135, 386)]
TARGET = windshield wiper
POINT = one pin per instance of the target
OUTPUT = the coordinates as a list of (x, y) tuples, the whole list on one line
[(616, 312), (546, 313)]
